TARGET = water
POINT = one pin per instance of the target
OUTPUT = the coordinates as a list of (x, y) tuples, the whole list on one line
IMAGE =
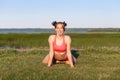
[(36, 30), (68, 30)]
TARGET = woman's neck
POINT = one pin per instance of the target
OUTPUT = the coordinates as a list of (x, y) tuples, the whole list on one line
[(59, 36)]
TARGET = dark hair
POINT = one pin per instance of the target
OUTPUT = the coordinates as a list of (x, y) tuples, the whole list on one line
[(54, 23)]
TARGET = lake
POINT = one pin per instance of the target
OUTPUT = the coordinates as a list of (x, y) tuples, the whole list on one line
[(51, 30), (37, 30)]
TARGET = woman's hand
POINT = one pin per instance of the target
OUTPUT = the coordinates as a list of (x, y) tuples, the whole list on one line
[(72, 66), (49, 65)]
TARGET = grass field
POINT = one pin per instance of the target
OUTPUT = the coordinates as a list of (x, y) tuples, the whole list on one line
[(98, 58)]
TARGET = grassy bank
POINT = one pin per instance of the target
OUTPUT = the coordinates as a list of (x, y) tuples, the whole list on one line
[(98, 58), (78, 40)]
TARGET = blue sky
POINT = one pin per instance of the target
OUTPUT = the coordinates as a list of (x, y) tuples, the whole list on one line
[(77, 13)]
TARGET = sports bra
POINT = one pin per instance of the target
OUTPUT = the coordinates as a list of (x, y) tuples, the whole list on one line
[(59, 48)]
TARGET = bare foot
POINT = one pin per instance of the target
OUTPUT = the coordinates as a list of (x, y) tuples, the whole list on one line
[(67, 62), (60, 62)]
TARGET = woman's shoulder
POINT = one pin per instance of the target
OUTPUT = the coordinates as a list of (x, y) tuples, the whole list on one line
[(67, 38), (51, 37)]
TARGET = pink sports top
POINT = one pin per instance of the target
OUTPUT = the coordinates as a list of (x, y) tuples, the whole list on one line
[(59, 48)]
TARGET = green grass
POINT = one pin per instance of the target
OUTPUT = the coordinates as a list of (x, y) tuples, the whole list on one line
[(23, 40), (40, 40), (98, 58)]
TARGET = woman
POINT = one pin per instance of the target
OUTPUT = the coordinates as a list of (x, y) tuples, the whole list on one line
[(60, 45)]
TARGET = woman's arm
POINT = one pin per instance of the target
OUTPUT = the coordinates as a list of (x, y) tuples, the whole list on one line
[(51, 53), (69, 51)]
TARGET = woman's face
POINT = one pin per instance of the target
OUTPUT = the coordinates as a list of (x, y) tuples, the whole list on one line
[(59, 29)]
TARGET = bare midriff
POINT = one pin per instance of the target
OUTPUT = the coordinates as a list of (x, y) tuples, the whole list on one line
[(60, 55)]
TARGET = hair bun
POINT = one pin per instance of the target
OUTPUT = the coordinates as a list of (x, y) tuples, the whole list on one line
[(65, 24), (54, 23)]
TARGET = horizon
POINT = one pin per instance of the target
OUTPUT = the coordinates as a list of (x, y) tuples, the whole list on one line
[(66, 28), (77, 13)]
